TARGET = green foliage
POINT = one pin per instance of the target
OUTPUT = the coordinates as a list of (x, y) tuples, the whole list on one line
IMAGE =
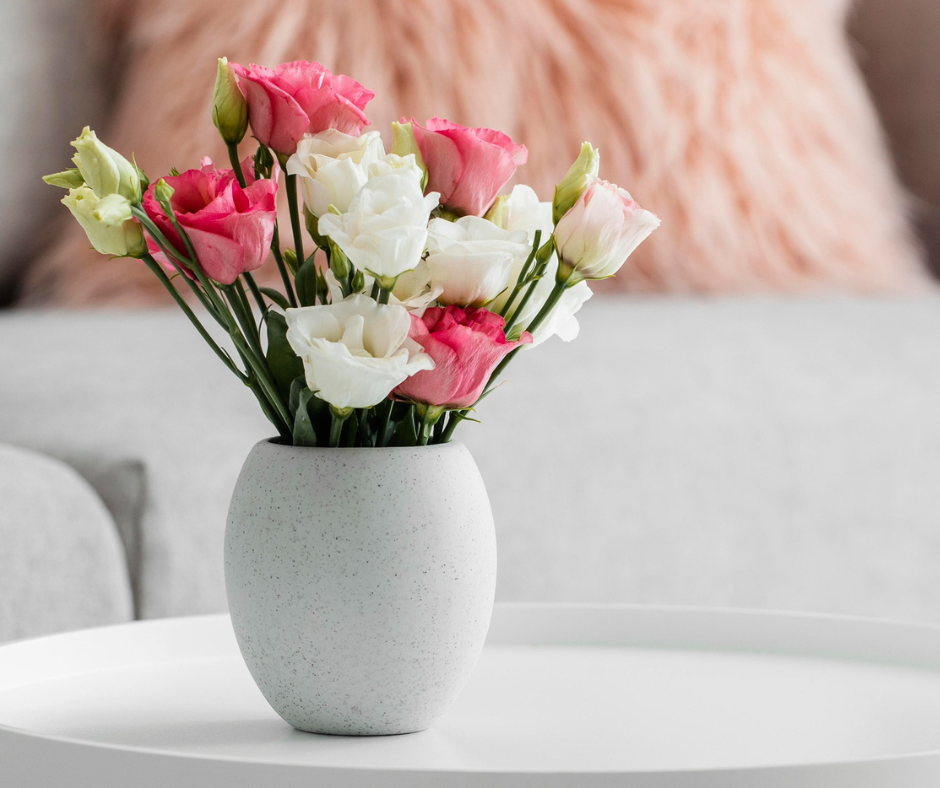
[(284, 364)]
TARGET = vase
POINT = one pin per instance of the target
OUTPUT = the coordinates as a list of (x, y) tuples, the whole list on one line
[(360, 582)]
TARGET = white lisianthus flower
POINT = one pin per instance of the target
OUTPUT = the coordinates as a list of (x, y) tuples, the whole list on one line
[(413, 289), (105, 171), (600, 231), (385, 230), (521, 210), (561, 321), (356, 351), (393, 163), (333, 167), (107, 222), (471, 260)]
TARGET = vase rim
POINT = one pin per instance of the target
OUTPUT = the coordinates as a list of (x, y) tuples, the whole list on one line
[(276, 442)]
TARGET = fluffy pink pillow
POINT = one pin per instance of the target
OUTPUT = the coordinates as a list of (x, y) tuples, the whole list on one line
[(744, 125)]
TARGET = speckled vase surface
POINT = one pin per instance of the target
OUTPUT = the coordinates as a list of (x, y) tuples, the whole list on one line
[(360, 582)]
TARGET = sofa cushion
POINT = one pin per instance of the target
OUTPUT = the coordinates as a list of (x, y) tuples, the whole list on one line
[(61, 561), (744, 125)]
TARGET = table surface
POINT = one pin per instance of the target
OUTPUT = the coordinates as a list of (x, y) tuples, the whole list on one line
[(562, 696)]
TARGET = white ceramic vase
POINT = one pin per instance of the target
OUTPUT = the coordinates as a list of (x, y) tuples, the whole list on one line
[(360, 582)]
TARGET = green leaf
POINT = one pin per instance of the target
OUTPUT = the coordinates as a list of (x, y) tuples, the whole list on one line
[(303, 431), (285, 365), (406, 430), (306, 282), (277, 297)]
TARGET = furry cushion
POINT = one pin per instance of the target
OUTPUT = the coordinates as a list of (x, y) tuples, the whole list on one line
[(744, 125)]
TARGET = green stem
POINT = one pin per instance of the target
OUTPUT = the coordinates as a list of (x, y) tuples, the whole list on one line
[(255, 291), (295, 224), (236, 165), (522, 275), (384, 415), (383, 295), (375, 290), (337, 419), (218, 309), (453, 420), (281, 266), (155, 267), (243, 316)]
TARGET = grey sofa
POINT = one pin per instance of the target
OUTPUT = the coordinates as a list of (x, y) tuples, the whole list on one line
[(756, 452)]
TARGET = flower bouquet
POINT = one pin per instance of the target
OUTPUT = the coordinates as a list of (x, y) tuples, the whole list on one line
[(408, 285)]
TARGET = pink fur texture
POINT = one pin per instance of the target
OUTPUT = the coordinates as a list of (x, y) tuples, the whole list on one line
[(743, 124)]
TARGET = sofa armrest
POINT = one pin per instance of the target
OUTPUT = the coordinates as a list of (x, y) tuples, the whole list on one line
[(62, 564)]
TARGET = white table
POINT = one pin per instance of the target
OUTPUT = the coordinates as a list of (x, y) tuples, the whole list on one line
[(563, 696)]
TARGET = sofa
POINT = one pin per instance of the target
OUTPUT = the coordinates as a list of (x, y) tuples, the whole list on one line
[(759, 452)]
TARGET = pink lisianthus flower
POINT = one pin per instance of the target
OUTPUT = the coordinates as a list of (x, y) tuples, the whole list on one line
[(293, 99), (230, 228), (600, 231), (467, 166), (466, 346)]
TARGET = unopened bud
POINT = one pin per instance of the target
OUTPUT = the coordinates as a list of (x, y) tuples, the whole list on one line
[(358, 282), (290, 260), (404, 142), (498, 212), (163, 192), (339, 263), (579, 175), (105, 171), (229, 108)]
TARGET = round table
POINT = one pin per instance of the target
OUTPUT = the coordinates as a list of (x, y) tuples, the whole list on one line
[(586, 697)]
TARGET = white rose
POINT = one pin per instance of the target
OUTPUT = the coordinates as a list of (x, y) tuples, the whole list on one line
[(356, 351), (333, 167), (107, 222), (600, 231), (385, 230), (471, 260)]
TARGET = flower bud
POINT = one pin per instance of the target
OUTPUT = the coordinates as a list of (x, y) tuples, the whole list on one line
[(105, 171), (498, 213), (164, 193), (403, 143), (67, 179), (229, 108), (290, 260), (107, 222), (339, 263), (358, 282), (585, 167)]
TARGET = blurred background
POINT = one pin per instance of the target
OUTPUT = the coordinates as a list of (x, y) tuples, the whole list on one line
[(749, 417)]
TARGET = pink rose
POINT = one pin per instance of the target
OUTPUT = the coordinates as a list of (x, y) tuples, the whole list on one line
[(467, 166), (293, 99), (230, 228), (466, 346)]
